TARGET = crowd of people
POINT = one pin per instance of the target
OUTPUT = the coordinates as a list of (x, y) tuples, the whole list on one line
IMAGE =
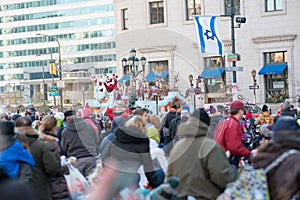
[(135, 154)]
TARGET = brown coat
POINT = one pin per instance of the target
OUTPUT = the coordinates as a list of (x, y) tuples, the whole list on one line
[(283, 180)]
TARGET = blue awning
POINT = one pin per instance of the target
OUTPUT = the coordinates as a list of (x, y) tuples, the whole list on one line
[(212, 73), (151, 77), (124, 79), (272, 69)]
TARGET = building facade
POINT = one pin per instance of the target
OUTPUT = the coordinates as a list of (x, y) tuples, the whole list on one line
[(164, 32), (36, 33)]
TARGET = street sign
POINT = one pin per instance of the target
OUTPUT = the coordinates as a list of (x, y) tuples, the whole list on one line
[(252, 87), (233, 57), (230, 69), (53, 93), (60, 84)]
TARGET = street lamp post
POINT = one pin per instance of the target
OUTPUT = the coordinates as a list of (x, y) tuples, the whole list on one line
[(44, 101), (253, 74), (133, 65), (83, 98), (60, 68)]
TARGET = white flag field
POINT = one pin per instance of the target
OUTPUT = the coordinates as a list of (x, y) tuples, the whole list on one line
[(208, 37)]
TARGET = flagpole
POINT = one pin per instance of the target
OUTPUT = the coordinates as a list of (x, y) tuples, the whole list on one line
[(234, 82)]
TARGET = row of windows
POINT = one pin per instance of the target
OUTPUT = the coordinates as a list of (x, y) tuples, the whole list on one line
[(32, 40), (44, 51), (34, 4), (71, 24), (9, 77), (51, 14), (193, 7), (88, 59), (104, 71)]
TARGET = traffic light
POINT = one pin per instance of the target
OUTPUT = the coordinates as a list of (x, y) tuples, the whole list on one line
[(52, 69)]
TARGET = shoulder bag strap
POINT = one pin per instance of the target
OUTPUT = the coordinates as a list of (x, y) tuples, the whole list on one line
[(278, 160)]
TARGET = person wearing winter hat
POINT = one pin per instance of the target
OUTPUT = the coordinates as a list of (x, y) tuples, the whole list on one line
[(15, 160), (265, 117), (215, 119), (287, 110), (228, 134), (283, 181), (200, 156)]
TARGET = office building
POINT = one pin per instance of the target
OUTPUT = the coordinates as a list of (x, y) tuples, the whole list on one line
[(34, 32)]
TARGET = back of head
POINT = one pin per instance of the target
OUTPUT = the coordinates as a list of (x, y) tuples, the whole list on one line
[(7, 128), (286, 105), (286, 129), (265, 108), (202, 115), (235, 106), (23, 121), (220, 108), (155, 121), (140, 111), (4, 116), (48, 123), (137, 122)]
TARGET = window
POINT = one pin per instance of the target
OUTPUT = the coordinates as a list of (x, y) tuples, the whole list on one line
[(276, 85), (156, 12), (193, 7), (275, 57), (216, 61), (124, 19), (236, 7), (215, 88), (160, 67), (273, 5)]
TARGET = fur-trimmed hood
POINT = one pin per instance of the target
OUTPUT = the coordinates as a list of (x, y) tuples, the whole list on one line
[(47, 137), (28, 131)]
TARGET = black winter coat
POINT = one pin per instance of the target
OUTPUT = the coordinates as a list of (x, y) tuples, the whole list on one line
[(45, 166)]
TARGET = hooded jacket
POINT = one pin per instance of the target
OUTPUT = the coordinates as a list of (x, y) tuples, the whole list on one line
[(45, 167), (130, 149), (79, 139), (58, 183), (12, 157), (283, 180), (199, 162)]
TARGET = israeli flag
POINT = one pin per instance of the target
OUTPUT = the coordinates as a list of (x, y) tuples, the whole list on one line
[(208, 38)]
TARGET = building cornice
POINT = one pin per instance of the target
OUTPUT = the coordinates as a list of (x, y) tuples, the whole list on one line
[(164, 48), (275, 38)]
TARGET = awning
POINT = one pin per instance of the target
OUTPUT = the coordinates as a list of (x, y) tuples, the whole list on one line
[(151, 77), (212, 73), (124, 79), (272, 69)]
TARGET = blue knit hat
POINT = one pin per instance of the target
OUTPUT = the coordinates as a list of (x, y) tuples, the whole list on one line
[(286, 129)]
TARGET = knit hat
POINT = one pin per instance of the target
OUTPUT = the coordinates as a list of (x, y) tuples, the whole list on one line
[(265, 108), (286, 129), (237, 104), (201, 115), (153, 133), (69, 113), (7, 128), (266, 130), (248, 115), (174, 106), (186, 107)]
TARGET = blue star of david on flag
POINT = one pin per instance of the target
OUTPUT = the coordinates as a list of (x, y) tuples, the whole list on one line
[(208, 38)]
